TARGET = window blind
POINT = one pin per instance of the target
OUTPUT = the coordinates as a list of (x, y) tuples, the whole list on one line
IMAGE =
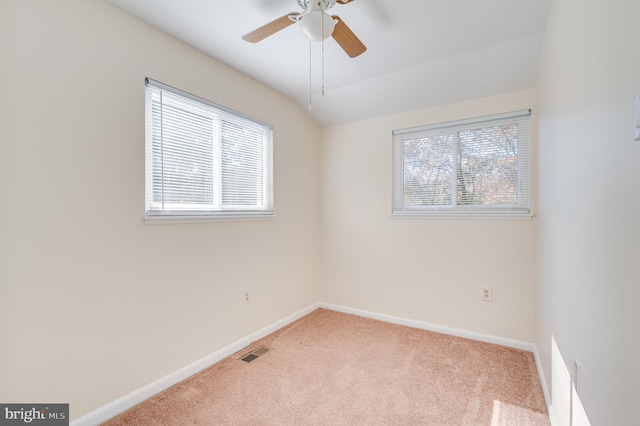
[(475, 166), (202, 158)]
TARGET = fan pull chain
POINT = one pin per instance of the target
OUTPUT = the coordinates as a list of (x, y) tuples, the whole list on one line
[(323, 10), (323, 13), (310, 79)]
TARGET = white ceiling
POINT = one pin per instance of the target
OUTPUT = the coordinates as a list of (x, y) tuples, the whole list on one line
[(420, 52)]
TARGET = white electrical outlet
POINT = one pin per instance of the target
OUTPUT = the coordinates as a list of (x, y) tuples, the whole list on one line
[(247, 296), (487, 294), (637, 115), (576, 375)]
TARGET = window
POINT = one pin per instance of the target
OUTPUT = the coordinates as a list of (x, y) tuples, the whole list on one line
[(471, 167), (203, 160)]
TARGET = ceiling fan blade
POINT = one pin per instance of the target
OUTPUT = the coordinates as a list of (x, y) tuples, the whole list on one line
[(347, 39), (269, 29), (343, 1)]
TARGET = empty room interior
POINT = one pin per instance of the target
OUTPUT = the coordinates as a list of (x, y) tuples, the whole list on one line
[(107, 299)]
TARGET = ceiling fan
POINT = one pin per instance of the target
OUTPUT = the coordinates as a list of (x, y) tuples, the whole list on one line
[(316, 24)]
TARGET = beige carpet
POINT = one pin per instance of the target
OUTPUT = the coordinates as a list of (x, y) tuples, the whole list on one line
[(330, 368)]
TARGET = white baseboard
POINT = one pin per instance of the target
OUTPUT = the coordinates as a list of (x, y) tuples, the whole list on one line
[(130, 400), (517, 344), (545, 387)]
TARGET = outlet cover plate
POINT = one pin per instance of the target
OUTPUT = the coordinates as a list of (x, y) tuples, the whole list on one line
[(576, 375), (487, 294)]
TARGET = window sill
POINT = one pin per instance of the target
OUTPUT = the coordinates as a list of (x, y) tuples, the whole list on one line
[(186, 219), (467, 216)]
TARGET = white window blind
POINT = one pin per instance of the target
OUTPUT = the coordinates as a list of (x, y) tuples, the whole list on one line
[(470, 167), (203, 159)]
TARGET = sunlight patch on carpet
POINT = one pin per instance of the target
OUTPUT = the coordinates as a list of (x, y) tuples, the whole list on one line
[(505, 414)]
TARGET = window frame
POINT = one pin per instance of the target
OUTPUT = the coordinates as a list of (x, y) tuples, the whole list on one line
[(166, 212), (519, 210)]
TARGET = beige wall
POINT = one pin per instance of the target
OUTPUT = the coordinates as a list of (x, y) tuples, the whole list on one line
[(589, 207), (429, 270), (93, 303)]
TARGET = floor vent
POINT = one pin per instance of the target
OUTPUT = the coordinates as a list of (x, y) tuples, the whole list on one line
[(255, 354)]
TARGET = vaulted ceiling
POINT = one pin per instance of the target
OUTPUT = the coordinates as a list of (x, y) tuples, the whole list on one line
[(420, 53)]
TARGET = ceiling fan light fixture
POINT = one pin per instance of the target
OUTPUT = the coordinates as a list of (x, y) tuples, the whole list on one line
[(317, 25)]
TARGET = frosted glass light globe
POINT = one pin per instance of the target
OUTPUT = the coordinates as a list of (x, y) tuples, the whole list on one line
[(312, 25)]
